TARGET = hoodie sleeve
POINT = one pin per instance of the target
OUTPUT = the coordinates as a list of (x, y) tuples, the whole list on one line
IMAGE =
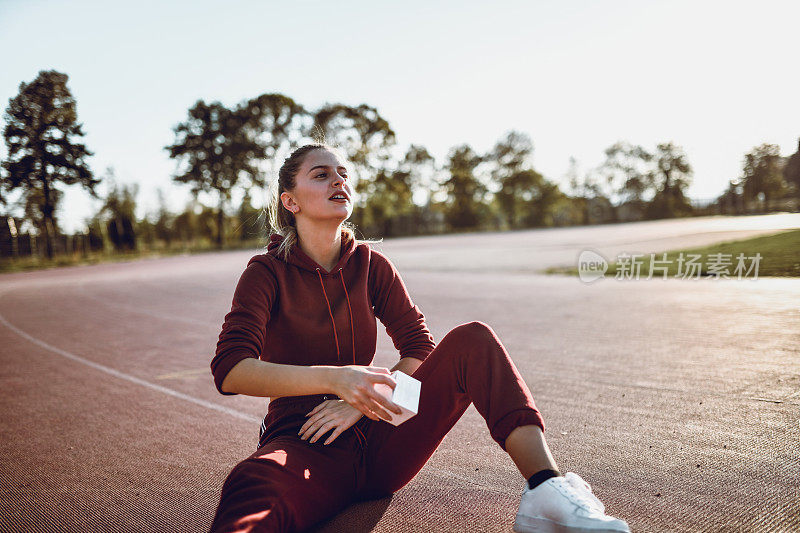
[(244, 328), (392, 304)]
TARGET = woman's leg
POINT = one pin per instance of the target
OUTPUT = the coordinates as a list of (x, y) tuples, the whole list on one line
[(470, 364), (529, 451), (286, 485)]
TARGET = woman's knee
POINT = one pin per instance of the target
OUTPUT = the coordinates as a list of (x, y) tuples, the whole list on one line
[(474, 333)]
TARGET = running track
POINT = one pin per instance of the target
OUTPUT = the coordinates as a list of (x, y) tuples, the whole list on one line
[(677, 400)]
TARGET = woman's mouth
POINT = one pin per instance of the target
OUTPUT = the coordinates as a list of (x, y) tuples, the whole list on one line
[(339, 198)]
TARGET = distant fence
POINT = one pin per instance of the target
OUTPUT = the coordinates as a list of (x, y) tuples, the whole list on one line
[(27, 244), (737, 206)]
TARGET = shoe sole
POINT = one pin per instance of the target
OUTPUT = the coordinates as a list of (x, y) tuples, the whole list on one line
[(524, 524)]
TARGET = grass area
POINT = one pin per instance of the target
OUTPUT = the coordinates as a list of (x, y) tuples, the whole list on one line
[(40, 263), (780, 257)]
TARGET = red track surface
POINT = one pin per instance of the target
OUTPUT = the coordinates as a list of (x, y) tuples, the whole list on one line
[(677, 400)]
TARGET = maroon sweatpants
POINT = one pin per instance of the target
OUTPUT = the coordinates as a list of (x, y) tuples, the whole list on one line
[(289, 484)]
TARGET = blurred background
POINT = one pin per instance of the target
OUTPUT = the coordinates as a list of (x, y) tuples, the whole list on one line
[(157, 128)]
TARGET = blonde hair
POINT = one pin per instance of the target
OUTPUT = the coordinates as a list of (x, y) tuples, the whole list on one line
[(281, 220)]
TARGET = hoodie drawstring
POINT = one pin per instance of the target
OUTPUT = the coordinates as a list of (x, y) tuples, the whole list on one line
[(362, 439), (352, 329), (333, 322)]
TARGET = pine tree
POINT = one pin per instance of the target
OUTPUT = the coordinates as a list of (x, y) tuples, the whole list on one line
[(41, 122)]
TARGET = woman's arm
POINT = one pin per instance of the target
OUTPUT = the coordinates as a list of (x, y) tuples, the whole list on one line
[(255, 377), (407, 365), (392, 305), (353, 384)]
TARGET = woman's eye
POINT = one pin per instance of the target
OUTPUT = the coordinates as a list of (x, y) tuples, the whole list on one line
[(325, 174)]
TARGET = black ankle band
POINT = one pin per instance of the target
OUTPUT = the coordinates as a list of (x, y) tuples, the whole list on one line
[(541, 476)]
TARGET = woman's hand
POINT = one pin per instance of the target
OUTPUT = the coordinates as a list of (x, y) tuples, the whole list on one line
[(330, 414), (356, 385)]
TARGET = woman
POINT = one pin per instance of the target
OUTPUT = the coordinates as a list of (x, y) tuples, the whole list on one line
[(302, 331)]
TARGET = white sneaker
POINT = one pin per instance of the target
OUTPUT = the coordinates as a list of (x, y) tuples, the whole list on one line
[(564, 504), (579, 483)]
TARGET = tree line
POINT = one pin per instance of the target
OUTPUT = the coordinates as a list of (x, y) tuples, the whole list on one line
[(220, 150)]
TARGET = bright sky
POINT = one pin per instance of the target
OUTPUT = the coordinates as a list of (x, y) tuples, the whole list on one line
[(717, 78)]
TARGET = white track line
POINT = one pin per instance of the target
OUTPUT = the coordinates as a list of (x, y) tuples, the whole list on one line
[(133, 379), (128, 377)]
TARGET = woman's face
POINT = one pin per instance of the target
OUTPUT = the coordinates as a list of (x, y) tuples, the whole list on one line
[(321, 176)]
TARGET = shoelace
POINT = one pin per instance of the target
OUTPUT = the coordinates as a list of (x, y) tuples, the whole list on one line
[(577, 496), (580, 484)]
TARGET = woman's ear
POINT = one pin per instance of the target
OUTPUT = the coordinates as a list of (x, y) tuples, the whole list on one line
[(289, 203)]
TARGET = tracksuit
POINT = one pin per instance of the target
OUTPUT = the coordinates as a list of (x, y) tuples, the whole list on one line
[(295, 312)]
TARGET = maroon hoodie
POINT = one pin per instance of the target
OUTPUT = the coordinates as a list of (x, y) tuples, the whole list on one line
[(295, 312)]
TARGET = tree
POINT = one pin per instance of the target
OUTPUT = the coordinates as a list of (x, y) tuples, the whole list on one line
[(537, 198), (525, 197), (509, 159), (390, 193), (275, 121), (164, 223), (730, 201), (219, 147), (671, 176), (791, 171), (511, 154), (187, 223), (3, 200), (579, 189), (762, 173), (252, 221), (465, 193), (41, 124), (119, 213), (625, 183), (627, 171)]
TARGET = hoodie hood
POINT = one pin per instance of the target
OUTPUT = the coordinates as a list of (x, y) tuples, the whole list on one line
[(300, 259)]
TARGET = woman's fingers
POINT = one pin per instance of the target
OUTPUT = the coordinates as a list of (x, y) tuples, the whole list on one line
[(383, 401), (367, 403), (316, 413), (312, 420), (378, 404), (322, 430), (305, 431), (383, 376), (366, 411), (335, 417), (311, 425), (375, 405), (336, 433), (318, 407), (387, 380)]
